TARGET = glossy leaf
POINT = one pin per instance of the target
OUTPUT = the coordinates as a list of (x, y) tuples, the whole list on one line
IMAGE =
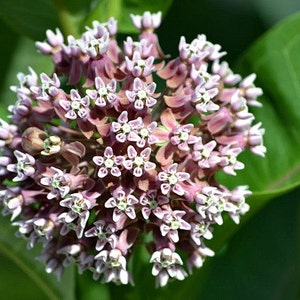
[(261, 262), (121, 10), (274, 58), (272, 11)]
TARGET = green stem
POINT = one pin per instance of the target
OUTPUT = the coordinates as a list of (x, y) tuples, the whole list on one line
[(66, 19)]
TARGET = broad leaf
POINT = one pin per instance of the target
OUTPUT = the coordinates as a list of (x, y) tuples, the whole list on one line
[(31, 18), (271, 11), (261, 262), (121, 10), (23, 267), (275, 60)]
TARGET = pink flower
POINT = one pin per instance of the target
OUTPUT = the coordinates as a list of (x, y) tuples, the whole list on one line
[(76, 107), (123, 203), (198, 256), (167, 264), (95, 47), (138, 163), (57, 181), (142, 47), (151, 203), (104, 94), (138, 66), (24, 166), (172, 222), (204, 155), (112, 264), (79, 209), (147, 21), (109, 163), (12, 201), (48, 89), (126, 130), (105, 234), (54, 40), (141, 94), (171, 179), (210, 204), (7, 132), (200, 229), (181, 136), (228, 159)]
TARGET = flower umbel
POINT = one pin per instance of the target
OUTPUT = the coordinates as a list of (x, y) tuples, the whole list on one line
[(98, 156)]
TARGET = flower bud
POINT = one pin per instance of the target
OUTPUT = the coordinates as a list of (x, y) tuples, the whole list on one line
[(33, 140)]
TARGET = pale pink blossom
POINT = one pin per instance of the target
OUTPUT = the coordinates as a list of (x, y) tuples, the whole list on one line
[(109, 163), (166, 265), (123, 203)]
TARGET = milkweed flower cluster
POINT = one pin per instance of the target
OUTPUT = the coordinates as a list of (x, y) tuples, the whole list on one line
[(123, 142)]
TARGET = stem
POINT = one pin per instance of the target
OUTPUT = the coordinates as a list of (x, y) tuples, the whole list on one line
[(68, 25)]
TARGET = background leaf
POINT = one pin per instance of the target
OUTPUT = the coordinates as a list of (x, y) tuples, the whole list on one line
[(121, 10), (30, 18), (275, 60), (25, 275), (279, 171), (24, 55), (261, 262)]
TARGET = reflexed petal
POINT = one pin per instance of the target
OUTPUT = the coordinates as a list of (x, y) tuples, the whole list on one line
[(98, 160), (115, 171), (130, 212), (174, 236), (110, 203), (182, 176), (131, 152), (102, 172), (108, 152), (165, 188), (177, 189), (138, 172)]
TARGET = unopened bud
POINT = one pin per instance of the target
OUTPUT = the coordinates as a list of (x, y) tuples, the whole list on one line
[(33, 140)]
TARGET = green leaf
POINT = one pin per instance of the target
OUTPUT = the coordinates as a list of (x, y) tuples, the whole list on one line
[(275, 60), (31, 18), (261, 262), (121, 10), (72, 14), (18, 265), (272, 11)]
